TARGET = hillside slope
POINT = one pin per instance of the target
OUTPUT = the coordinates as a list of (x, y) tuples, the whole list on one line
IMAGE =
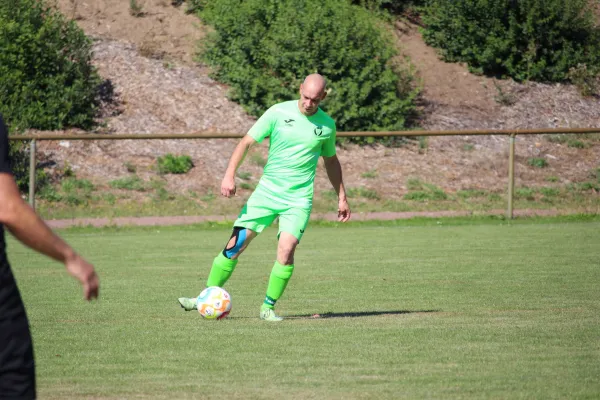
[(158, 88)]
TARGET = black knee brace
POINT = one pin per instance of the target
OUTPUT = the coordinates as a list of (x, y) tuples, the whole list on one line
[(239, 234)]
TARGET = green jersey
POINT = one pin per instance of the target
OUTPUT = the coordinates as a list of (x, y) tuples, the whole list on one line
[(296, 143)]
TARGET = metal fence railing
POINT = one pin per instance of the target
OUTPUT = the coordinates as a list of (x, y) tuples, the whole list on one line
[(512, 133)]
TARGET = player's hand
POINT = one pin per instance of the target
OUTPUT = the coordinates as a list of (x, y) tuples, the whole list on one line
[(343, 210), (85, 273), (228, 186)]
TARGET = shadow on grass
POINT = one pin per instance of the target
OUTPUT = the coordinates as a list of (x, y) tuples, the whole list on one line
[(357, 314)]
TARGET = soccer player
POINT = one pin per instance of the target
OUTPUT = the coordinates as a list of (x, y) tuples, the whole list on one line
[(299, 133), (17, 370)]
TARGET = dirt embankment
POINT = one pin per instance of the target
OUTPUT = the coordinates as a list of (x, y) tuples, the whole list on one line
[(148, 61)]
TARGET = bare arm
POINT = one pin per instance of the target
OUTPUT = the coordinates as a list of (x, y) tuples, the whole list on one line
[(239, 153), (334, 172), (27, 227)]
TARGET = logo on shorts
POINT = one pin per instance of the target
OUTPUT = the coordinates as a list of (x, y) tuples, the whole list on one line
[(318, 130), (301, 230)]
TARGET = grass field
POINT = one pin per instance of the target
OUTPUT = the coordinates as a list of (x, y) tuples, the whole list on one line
[(440, 310)]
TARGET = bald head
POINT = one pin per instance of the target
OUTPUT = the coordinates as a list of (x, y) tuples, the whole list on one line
[(312, 92), (315, 82)]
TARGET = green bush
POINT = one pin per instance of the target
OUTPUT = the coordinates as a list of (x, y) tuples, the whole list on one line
[(73, 191), (369, 174), (526, 193), (263, 49), (584, 186), (19, 155), (244, 175), (170, 164), (135, 9), (549, 191), (393, 6), (258, 159), (420, 195), (587, 80), (71, 185), (471, 193), (19, 152), (195, 5), (421, 191), (46, 77), (49, 193), (130, 167), (537, 162), (578, 144), (557, 138), (526, 39), (414, 184), (132, 182), (192, 6), (362, 192)]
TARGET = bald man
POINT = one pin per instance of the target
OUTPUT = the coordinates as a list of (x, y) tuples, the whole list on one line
[(299, 133)]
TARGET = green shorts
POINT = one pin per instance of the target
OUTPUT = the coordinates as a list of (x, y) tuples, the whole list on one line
[(260, 212)]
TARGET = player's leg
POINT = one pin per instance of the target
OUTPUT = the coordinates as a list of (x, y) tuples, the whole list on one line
[(255, 216), (251, 221), (225, 262), (292, 224), (17, 368)]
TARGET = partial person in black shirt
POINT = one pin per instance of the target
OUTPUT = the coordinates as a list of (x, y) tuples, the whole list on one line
[(17, 371)]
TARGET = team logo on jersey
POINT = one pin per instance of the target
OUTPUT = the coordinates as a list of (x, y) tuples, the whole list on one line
[(318, 130), (288, 122)]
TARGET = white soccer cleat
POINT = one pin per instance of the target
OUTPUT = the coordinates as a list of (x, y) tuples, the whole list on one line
[(188, 303)]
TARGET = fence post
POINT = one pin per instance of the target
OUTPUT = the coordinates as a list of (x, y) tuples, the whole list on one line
[(511, 175), (32, 174)]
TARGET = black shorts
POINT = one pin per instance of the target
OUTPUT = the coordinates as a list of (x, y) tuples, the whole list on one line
[(17, 370)]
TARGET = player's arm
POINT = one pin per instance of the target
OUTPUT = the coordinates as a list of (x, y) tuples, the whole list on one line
[(239, 153), (22, 221), (27, 227), (334, 172)]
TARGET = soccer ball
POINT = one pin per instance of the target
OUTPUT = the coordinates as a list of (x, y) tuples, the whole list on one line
[(214, 303)]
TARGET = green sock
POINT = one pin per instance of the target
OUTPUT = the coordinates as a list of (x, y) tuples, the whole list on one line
[(221, 270), (280, 276)]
